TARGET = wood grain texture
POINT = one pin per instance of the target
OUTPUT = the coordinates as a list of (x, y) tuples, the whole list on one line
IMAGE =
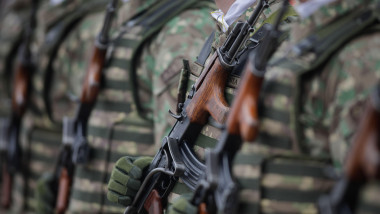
[(63, 191), (363, 162), (209, 97), (91, 84), (243, 118), (153, 203)]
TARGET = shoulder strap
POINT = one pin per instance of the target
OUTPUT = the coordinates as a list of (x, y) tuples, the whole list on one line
[(307, 55), (330, 38), (324, 43)]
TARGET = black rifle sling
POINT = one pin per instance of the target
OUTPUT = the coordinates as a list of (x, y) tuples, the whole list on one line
[(206, 50)]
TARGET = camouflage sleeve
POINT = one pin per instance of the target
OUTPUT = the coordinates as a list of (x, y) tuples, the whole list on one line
[(335, 99), (181, 38)]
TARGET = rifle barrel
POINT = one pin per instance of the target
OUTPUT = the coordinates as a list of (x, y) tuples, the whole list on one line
[(103, 37)]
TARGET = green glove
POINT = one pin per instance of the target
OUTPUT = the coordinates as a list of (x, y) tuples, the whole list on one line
[(182, 205), (125, 179), (45, 194)]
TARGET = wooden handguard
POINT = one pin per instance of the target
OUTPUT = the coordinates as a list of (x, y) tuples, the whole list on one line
[(363, 161), (63, 191), (6, 188), (243, 116), (92, 80), (20, 90), (209, 98), (153, 203)]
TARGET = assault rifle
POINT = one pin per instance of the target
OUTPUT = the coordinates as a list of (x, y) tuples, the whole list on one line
[(20, 98), (176, 159), (218, 188), (75, 147), (361, 165)]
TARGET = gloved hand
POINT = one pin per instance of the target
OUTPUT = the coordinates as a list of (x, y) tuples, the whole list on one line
[(182, 205), (45, 193), (125, 179)]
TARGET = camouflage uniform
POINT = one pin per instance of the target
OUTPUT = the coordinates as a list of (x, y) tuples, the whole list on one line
[(41, 131), (285, 171), (314, 117), (209, 133), (299, 139), (13, 15), (246, 173), (116, 127)]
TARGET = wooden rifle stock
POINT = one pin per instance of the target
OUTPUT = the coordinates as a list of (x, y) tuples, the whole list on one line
[(20, 96), (153, 203), (76, 150), (6, 188), (209, 98), (363, 161), (242, 125), (243, 117), (89, 95), (20, 90), (92, 80), (65, 181)]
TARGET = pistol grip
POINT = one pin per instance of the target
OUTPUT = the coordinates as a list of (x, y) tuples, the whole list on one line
[(202, 209), (63, 191), (153, 203)]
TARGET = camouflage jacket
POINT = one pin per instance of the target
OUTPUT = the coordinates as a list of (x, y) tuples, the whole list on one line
[(13, 15), (116, 128), (40, 136), (313, 121)]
